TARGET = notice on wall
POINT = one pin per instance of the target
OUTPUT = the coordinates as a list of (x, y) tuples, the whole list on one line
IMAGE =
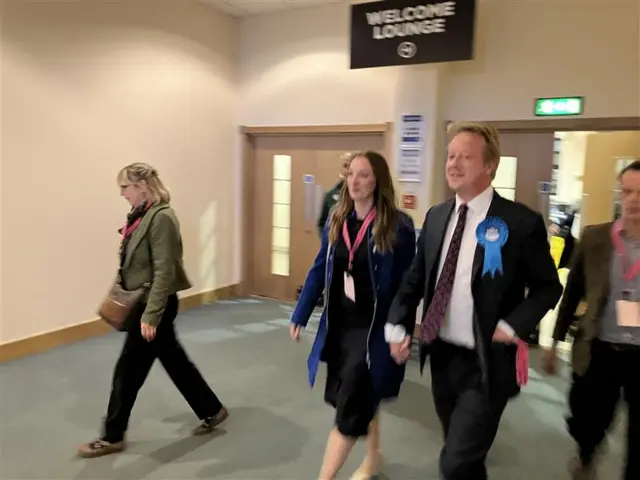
[(546, 188), (409, 165), (412, 133), (407, 32), (412, 130)]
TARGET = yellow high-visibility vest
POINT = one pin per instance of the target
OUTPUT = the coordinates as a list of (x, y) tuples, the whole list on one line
[(557, 247)]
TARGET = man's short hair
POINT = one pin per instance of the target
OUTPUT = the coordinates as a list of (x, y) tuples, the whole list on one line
[(633, 166), (489, 133)]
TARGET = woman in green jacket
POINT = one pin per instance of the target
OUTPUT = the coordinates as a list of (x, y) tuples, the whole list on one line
[(151, 254)]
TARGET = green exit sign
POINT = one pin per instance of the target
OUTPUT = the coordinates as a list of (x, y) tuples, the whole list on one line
[(560, 106)]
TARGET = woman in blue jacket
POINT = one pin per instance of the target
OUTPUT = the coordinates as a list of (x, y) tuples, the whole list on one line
[(367, 245)]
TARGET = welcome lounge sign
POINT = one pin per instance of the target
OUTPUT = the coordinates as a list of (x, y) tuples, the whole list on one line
[(409, 32)]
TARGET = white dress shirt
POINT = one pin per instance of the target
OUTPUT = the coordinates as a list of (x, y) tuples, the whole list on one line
[(458, 322)]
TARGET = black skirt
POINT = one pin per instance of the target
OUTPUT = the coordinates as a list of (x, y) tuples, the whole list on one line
[(349, 388)]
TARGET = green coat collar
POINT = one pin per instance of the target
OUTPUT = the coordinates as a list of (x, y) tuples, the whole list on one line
[(142, 229)]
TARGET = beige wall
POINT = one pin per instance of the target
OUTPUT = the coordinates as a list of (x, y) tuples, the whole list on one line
[(549, 48), (295, 71), (601, 155), (524, 50), (88, 87)]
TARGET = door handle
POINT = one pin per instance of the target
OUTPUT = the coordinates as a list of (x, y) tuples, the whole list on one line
[(309, 201)]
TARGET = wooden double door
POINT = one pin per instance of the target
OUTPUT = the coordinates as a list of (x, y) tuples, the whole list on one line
[(534, 153), (291, 175)]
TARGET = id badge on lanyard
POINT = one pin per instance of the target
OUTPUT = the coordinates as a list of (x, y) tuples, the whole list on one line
[(349, 286)]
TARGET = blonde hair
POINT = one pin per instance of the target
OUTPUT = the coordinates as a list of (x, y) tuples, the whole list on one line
[(144, 173), (491, 150), (346, 158)]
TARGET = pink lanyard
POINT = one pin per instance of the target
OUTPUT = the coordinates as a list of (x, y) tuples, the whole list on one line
[(629, 271), (361, 233)]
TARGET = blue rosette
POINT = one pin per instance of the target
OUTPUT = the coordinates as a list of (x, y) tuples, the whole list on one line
[(492, 234)]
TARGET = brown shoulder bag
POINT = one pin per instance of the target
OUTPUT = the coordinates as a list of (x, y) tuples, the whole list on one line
[(119, 305)]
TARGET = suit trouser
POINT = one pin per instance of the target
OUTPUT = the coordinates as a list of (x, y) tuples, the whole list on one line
[(469, 417), (133, 366), (594, 397)]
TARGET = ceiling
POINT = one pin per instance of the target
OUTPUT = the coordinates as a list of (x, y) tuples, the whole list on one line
[(245, 8)]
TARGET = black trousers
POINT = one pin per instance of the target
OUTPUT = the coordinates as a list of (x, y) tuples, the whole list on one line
[(614, 371), (469, 417), (133, 366)]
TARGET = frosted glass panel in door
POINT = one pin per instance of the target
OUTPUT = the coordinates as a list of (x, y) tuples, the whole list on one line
[(506, 173), (280, 263), (505, 181), (508, 193)]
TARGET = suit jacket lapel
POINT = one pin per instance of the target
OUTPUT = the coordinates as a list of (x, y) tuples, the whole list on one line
[(139, 233), (436, 231), (495, 210), (601, 253)]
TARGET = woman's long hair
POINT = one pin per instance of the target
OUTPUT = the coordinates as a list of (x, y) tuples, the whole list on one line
[(384, 200)]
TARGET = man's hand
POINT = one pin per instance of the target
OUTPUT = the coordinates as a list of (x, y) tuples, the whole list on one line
[(401, 351), (550, 361), (148, 331), (502, 336)]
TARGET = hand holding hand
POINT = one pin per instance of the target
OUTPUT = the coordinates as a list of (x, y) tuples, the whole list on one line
[(400, 351)]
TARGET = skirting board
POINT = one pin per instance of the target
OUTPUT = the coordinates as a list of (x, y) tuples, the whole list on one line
[(75, 333)]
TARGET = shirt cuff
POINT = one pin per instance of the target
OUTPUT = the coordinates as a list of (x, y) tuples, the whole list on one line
[(394, 333), (506, 328)]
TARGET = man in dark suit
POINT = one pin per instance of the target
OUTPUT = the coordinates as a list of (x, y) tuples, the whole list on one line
[(478, 254)]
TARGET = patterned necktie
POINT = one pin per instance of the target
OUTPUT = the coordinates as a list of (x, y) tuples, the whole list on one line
[(434, 317)]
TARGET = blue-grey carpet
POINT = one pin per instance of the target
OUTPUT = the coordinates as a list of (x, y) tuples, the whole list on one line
[(52, 402)]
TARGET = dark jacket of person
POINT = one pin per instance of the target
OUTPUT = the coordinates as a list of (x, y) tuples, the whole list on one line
[(330, 199), (526, 264), (588, 281), (569, 241), (387, 270)]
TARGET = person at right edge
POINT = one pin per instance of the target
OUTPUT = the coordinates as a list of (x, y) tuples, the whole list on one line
[(605, 272), (478, 253)]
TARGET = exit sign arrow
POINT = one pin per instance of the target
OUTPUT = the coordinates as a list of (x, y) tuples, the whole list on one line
[(559, 106)]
